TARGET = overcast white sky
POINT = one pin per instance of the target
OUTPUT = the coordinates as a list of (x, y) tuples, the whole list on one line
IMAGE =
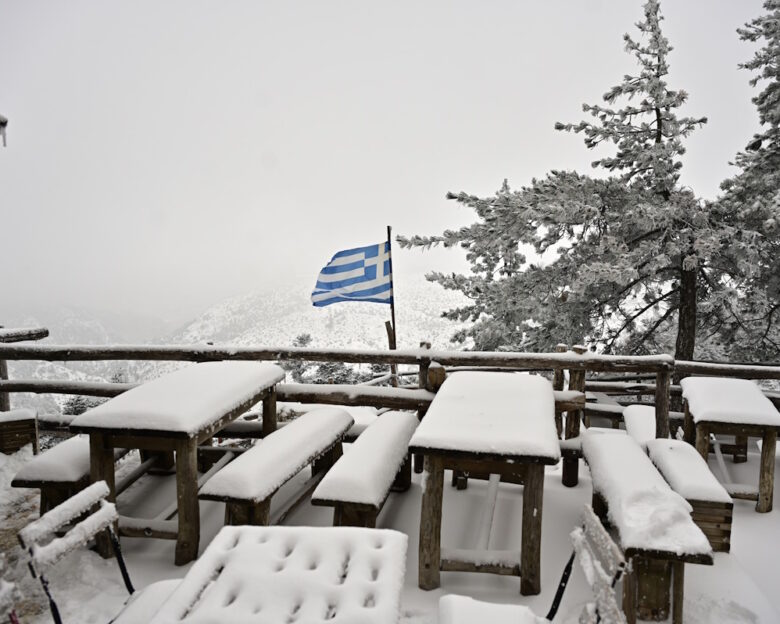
[(164, 155)]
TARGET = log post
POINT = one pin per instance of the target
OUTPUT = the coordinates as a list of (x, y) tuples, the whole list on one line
[(740, 449), (703, 441), (430, 524), (101, 468), (269, 412), (662, 382), (571, 463), (558, 379), (678, 589), (766, 477), (689, 429), (422, 383), (629, 593), (187, 501), (392, 345), (531, 538), (653, 588), (5, 399)]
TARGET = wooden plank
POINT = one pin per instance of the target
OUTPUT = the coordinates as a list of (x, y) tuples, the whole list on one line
[(187, 501), (653, 588), (766, 479), (678, 574), (531, 538), (430, 524), (455, 565), (725, 369), (25, 333), (629, 594), (345, 514)]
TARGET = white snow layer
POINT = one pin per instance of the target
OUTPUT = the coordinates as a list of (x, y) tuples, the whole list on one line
[(275, 459), (640, 422), (186, 400), (68, 462), (366, 471), (495, 413), (686, 471), (455, 609), (716, 399), (17, 414), (645, 510), (267, 575)]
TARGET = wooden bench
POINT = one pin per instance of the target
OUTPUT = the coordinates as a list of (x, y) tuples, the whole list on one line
[(654, 525), (18, 427), (690, 476), (247, 484), (735, 407), (60, 472), (360, 481)]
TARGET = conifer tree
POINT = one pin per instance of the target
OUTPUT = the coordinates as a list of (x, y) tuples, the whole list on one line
[(621, 256)]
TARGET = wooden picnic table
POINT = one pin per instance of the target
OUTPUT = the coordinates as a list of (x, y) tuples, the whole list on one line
[(176, 413), (497, 423), (733, 407)]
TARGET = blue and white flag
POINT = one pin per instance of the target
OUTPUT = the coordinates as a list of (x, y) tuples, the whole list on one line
[(361, 274)]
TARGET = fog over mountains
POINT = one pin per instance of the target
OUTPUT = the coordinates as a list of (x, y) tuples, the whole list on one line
[(262, 318)]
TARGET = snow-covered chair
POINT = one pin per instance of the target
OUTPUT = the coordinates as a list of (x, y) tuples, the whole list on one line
[(45, 551), (602, 562)]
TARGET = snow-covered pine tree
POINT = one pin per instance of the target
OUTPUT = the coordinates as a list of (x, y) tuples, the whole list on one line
[(620, 256), (751, 199)]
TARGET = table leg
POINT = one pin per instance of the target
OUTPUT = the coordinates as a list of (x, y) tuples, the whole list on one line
[(101, 468), (766, 478), (531, 545), (269, 412), (187, 501), (430, 524), (678, 591)]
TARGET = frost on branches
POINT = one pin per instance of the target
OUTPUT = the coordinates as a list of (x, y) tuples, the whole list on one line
[(628, 262)]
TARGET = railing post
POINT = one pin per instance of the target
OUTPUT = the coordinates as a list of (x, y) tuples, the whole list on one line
[(662, 381), (422, 382), (571, 462), (558, 385), (5, 399)]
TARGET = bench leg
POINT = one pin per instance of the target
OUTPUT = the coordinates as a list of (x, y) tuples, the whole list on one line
[(677, 598), (653, 588), (419, 462), (570, 475), (237, 514), (430, 524), (531, 538), (599, 506), (766, 478), (689, 429), (327, 459), (187, 501), (101, 468), (740, 450), (629, 594), (403, 480), (346, 515), (703, 441)]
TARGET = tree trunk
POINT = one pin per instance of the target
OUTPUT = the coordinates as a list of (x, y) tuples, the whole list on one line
[(686, 324)]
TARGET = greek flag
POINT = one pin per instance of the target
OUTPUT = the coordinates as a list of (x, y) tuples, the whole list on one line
[(361, 274)]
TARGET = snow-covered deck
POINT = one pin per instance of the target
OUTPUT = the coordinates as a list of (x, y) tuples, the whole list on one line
[(740, 587)]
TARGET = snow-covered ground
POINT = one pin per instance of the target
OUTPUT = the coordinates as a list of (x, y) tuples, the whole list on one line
[(740, 587)]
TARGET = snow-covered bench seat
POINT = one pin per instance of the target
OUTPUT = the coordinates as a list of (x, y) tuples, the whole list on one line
[(60, 472), (18, 427), (360, 481), (653, 523), (272, 575), (690, 476), (735, 407), (247, 484)]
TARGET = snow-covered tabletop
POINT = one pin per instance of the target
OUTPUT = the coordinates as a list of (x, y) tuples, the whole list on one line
[(268, 575), (184, 401), (508, 415), (17, 414), (647, 513), (725, 400)]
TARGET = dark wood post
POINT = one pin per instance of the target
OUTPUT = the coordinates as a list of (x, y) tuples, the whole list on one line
[(531, 539), (5, 400), (571, 462), (101, 468), (662, 382), (558, 385), (766, 476), (269, 412), (187, 501), (430, 524)]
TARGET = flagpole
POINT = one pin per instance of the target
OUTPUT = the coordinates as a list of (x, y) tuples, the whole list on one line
[(391, 334)]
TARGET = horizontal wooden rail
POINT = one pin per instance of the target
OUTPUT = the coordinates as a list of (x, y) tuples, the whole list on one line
[(550, 361), (24, 333), (328, 394), (715, 369)]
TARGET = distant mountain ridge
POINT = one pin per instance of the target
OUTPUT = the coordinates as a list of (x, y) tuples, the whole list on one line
[(272, 318)]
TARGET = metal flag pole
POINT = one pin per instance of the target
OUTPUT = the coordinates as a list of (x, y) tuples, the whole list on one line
[(390, 326)]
